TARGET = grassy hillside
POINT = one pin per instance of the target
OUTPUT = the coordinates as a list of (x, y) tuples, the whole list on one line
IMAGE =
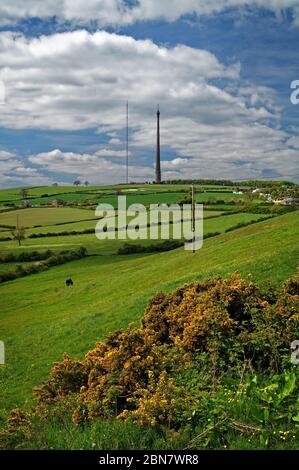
[(146, 193), (41, 318), (40, 216), (38, 191), (95, 246), (60, 220)]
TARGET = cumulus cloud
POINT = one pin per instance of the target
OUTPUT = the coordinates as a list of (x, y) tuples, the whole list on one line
[(93, 167), (243, 151), (109, 153), (122, 12), (4, 155), (77, 80), (13, 171)]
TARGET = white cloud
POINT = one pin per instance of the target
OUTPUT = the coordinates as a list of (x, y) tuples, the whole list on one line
[(25, 171), (93, 167), (14, 180), (108, 153), (118, 12), (13, 171), (294, 142), (4, 155), (115, 141), (78, 80)]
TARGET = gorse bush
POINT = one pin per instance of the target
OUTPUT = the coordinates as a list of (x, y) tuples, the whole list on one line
[(194, 360)]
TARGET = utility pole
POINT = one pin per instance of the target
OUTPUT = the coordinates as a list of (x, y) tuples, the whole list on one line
[(158, 155), (193, 217)]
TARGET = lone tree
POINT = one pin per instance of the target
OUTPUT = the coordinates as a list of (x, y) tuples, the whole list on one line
[(19, 233), (86, 183), (77, 183), (24, 193)]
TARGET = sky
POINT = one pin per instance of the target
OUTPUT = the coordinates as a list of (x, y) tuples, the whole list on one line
[(220, 70)]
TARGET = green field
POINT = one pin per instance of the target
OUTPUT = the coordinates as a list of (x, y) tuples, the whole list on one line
[(41, 216), (145, 194), (40, 318), (14, 193), (54, 220), (93, 245)]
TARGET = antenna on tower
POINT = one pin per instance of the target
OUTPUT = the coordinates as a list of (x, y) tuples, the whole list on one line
[(127, 143), (158, 155)]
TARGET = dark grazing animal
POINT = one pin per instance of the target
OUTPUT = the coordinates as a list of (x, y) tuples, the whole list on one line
[(69, 282)]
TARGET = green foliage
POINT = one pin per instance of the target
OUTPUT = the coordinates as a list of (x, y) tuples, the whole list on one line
[(18, 234), (49, 260), (71, 319), (61, 234), (197, 366), (25, 256), (167, 245), (245, 224)]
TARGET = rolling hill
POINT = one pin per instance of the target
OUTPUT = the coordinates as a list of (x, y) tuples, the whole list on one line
[(41, 318)]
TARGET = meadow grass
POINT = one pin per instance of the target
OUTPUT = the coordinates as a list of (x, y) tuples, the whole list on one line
[(80, 225), (104, 247), (44, 216), (142, 197), (40, 318), (15, 193), (11, 193), (146, 194)]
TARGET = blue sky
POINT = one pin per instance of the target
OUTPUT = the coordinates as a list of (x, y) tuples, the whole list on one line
[(222, 80)]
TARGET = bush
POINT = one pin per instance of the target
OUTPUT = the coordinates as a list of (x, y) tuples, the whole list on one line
[(211, 234), (26, 256), (246, 224), (271, 209), (65, 233), (217, 326), (167, 245), (280, 210), (7, 226), (206, 359)]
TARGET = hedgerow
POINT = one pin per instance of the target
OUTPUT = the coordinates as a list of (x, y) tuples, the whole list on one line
[(52, 260), (167, 245), (267, 208), (7, 226), (61, 234), (246, 224), (26, 256)]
